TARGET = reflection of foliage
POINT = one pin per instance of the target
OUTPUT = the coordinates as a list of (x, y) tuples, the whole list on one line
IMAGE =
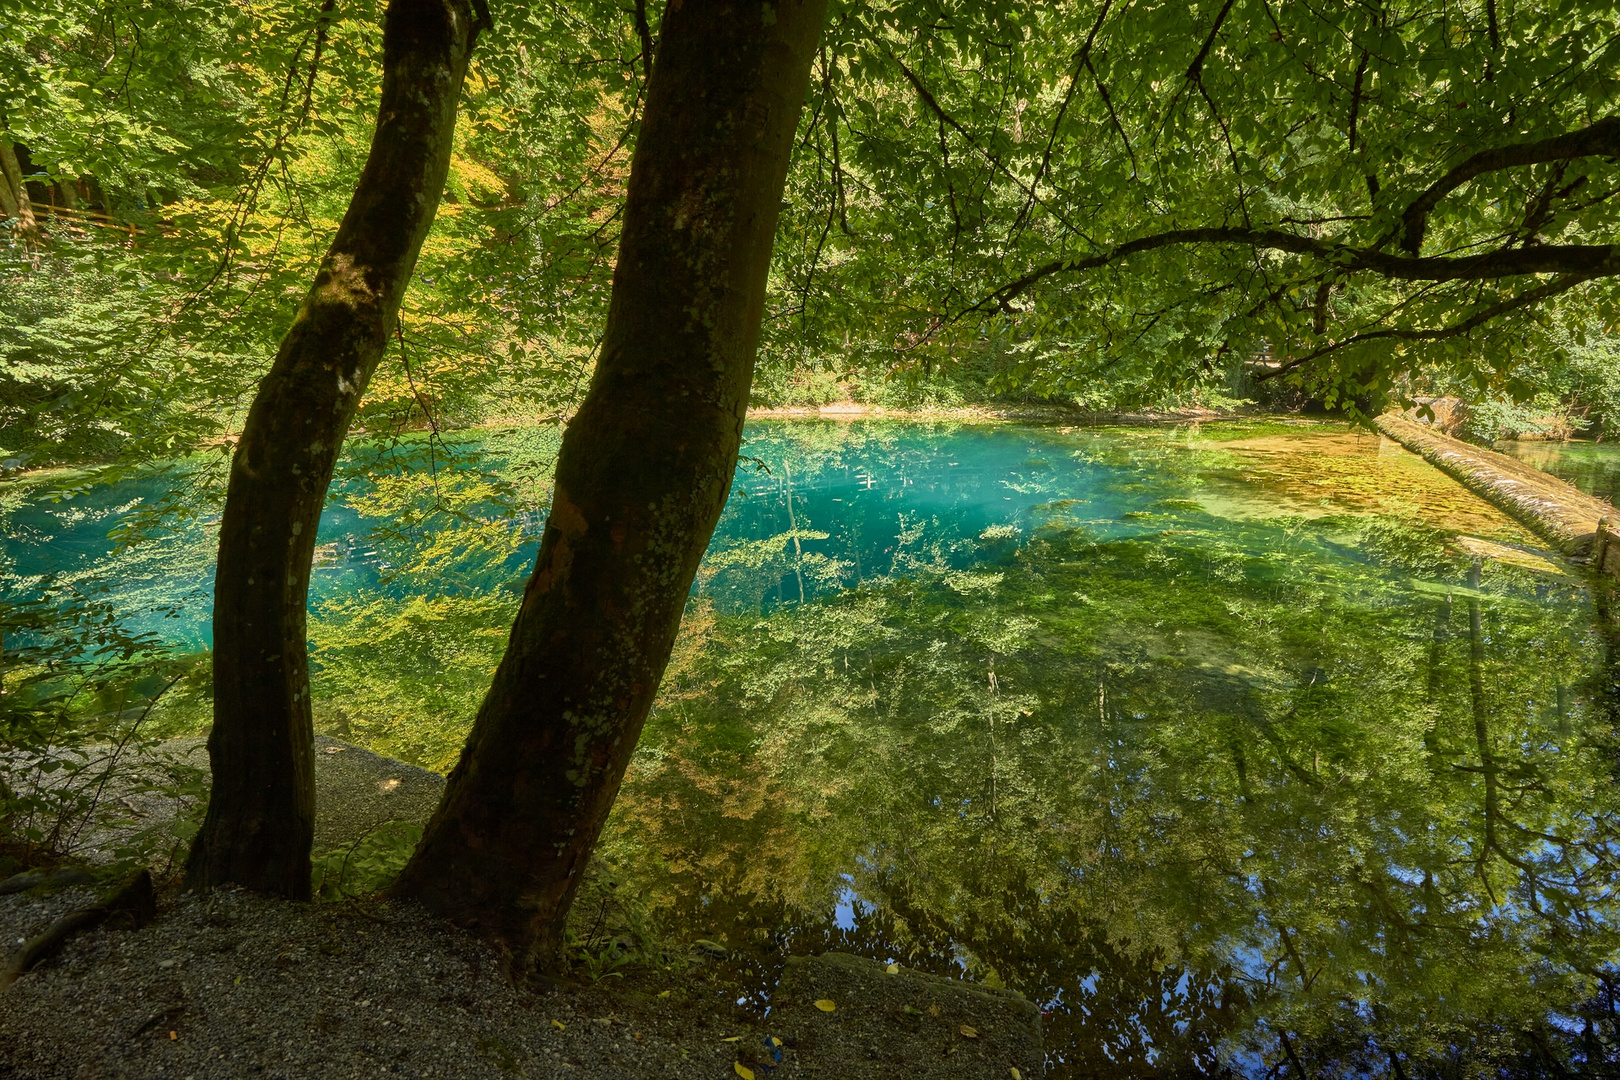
[(367, 865), (405, 678), (1273, 774), (448, 526), (611, 927), (79, 694), (762, 564), (1188, 747)]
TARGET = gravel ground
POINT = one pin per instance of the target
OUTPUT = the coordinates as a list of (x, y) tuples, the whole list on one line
[(355, 791), (902, 1023), (234, 985)]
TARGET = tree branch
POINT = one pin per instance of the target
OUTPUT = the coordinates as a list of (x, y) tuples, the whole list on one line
[(1473, 322), (1587, 260), (1084, 61), (644, 32), (1599, 139), (933, 104), (1102, 91), (1196, 69)]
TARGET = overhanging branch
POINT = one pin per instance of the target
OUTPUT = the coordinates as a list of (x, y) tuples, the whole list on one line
[(1586, 260), (1600, 139), (1473, 322)]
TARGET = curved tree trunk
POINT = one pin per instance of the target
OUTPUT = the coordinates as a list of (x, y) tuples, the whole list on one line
[(261, 812), (643, 474)]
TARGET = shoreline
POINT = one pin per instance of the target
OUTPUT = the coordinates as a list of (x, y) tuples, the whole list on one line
[(1009, 414), (844, 411)]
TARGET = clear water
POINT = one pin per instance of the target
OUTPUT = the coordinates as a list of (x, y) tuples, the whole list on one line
[(1227, 746), (1593, 467)]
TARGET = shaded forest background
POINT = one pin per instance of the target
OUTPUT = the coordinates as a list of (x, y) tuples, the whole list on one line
[(187, 163)]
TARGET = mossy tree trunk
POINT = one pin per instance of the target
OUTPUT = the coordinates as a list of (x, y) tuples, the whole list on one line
[(259, 824), (643, 473)]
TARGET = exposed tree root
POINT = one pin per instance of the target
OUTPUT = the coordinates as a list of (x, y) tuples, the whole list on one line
[(134, 899), (60, 878)]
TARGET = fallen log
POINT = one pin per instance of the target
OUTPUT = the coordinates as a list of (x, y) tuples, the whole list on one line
[(1580, 526)]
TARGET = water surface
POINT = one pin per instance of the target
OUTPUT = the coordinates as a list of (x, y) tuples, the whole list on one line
[(1232, 747), (1593, 467)]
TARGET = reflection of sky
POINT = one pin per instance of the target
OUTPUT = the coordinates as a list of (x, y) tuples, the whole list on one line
[(849, 907)]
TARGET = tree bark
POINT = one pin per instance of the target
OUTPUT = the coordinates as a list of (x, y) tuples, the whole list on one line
[(1552, 508), (258, 829), (13, 192), (643, 474)]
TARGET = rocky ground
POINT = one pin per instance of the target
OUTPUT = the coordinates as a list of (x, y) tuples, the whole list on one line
[(234, 985)]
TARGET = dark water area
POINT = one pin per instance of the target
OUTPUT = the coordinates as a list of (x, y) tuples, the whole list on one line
[(1593, 467), (1259, 750)]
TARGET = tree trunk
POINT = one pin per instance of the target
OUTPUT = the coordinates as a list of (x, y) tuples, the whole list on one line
[(644, 471), (13, 192), (258, 829), (1544, 504)]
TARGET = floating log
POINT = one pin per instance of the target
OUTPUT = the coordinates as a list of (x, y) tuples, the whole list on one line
[(1606, 552), (1580, 526)]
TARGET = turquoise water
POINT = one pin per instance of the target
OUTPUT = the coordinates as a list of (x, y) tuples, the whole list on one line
[(853, 490), (1201, 738), (164, 584)]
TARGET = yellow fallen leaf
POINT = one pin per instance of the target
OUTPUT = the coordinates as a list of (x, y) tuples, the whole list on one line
[(559, 1025), (731, 1038), (826, 1005), (1016, 1075), (664, 993), (972, 1033), (894, 969), (742, 1070)]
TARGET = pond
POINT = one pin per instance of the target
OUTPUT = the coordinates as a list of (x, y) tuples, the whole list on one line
[(1594, 467), (1249, 750)]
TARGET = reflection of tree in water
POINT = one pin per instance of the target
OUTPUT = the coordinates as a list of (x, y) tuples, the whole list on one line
[(1234, 813), (1108, 1010), (1115, 1013), (1606, 680)]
